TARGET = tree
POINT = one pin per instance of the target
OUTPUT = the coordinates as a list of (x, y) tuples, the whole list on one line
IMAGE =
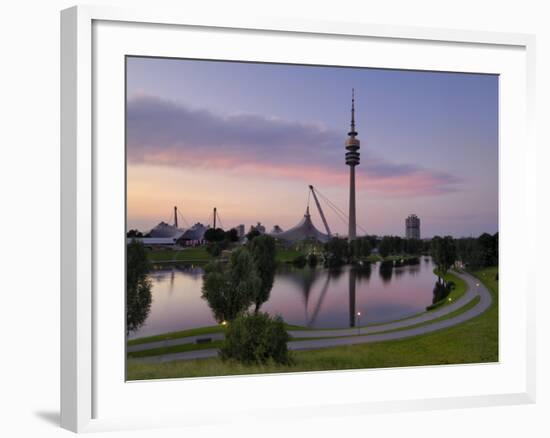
[(412, 246), (256, 338), (138, 286), (134, 233), (336, 252), (263, 251), (443, 253), (232, 235), (214, 235), (489, 249), (385, 246), (230, 289)]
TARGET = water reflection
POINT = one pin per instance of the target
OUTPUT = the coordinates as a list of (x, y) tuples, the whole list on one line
[(311, 296), (352, 285), (386, 271)]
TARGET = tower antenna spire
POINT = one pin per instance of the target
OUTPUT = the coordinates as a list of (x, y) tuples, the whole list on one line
[(353, 112)]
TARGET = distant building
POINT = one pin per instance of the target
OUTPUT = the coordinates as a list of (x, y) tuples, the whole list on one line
[(276, 229), (166, 230), (193, 236), (412, 227), (240, 230)]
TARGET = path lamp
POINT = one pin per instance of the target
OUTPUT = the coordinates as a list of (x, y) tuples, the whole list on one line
[(358, 323)]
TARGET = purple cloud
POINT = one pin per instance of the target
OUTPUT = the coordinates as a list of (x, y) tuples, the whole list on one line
[(163, 132)]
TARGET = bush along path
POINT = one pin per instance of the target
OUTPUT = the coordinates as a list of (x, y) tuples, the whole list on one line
[(427, 322)]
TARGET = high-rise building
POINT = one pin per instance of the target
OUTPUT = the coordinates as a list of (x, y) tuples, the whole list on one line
[(412, 227), (352, 160), (240, 230)]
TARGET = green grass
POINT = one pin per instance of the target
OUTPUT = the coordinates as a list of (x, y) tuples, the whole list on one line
[(373, 258), (469, 305), (198, 254), (286, 255), (474, 341)]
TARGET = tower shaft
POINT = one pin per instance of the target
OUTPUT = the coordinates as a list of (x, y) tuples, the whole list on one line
[(352, 229)]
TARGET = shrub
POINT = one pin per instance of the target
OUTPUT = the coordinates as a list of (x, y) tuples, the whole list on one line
[(256, 338), (300, 261), (214, 249)]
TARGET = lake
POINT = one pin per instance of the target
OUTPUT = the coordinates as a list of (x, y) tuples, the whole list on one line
[(312, 297)]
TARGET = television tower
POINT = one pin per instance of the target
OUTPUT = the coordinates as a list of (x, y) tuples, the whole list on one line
[(352, 160)]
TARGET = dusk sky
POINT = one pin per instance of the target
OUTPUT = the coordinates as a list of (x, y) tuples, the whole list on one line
[(249, 138)]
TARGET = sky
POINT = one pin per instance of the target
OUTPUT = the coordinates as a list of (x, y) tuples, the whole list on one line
[(248, 138)]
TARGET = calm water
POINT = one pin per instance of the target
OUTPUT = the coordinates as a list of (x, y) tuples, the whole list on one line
[(313, 297)]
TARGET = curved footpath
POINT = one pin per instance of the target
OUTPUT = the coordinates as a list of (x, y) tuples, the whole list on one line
[(338, 337)]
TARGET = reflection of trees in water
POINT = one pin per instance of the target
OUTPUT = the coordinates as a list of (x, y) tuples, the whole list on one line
[(398, 272), (351, 286), (138, 286), (138, 306), (335, 272), (362, 272), (386, 271), (414, 269)]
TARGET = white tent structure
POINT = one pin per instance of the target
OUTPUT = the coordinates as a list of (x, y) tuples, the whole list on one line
[(305, 230)]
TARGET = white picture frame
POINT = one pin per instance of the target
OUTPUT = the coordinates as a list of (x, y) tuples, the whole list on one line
[(84, 379)]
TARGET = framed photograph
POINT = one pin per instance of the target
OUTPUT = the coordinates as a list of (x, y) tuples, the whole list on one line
[(258, 206)]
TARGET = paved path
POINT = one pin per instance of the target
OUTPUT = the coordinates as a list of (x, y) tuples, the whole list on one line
[(349, 336)]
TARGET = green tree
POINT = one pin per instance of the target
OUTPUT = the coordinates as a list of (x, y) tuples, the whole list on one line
[(138, 286), (214, 235), (231, 288), (256, 338), (385, 246), (263, 251), (232, 235), (443, 253), (412, 246), (336, 252)]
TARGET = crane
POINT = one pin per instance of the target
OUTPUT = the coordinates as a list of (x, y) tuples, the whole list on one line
[(320, 211)]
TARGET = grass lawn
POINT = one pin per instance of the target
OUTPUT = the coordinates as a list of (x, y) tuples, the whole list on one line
[(473, 341), (197, 254), (286, 255)]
